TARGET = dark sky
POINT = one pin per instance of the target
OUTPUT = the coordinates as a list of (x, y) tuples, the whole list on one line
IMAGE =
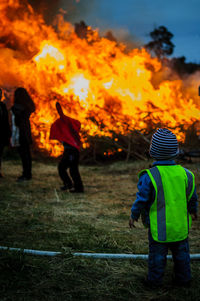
[(136, 19)]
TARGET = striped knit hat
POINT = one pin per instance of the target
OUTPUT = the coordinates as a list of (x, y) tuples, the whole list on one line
[(164, 145)]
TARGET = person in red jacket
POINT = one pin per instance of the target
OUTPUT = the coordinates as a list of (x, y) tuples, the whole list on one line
[(66, 130)]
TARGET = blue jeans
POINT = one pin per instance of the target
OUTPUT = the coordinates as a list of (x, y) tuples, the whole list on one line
[(158, 258)]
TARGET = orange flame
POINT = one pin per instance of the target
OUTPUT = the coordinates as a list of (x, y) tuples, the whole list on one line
[(94, 79)]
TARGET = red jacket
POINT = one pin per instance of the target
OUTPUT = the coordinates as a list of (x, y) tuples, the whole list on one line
[(66, 129)]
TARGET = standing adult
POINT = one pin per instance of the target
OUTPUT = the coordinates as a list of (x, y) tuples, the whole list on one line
[(5, 131), (66, 130), (22, 109)]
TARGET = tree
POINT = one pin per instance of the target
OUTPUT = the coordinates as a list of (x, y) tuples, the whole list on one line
[(181, 67), (161, 43)]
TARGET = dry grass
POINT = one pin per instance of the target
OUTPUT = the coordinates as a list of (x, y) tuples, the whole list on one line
[(37, 215)]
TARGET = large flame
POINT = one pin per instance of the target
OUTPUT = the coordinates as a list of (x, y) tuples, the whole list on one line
[(95, 79)]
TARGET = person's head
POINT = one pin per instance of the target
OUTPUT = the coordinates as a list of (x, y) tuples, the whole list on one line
[(23, 99), (21, 95), (164, 145)]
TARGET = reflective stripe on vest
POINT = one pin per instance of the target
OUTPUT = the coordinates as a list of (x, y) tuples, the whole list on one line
[(155, 176), (161, 216)]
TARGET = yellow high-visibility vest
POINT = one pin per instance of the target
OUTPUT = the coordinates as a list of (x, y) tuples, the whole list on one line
[(169, 217)]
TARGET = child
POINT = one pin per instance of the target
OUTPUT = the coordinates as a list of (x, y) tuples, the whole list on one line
[(66, 130), (167, 196)]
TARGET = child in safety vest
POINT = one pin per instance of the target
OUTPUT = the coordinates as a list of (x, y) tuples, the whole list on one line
[(167, 201)]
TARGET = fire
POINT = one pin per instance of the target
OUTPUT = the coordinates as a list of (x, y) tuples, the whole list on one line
[(49, 57), (95, 79), (79, 86)]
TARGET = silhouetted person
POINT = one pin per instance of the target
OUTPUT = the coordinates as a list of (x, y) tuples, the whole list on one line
[(22, 109), (5, 131), (66, 130)]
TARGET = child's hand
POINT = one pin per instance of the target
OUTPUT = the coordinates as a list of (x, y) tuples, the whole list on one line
[(131, 223), (194, 216)]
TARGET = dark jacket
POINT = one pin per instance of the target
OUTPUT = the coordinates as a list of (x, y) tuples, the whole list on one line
[(22, 115), (5, 131)]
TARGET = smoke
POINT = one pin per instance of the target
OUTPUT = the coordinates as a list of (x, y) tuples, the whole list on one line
[(123, 35), (75, 10), (49, 9)]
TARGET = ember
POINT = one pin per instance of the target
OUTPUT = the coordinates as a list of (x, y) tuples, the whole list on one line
[(94, 79)]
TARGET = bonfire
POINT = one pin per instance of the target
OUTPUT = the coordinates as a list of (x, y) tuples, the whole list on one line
[(112, 91)]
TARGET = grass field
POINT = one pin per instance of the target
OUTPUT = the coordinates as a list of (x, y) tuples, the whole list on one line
[(37, 215)]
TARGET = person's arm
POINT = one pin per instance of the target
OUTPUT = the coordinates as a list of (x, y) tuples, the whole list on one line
[(6, 121), (193, 205), (143, 197), (19, 112), (59, 110)]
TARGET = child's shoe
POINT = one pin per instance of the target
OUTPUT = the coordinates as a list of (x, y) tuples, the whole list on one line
[(151, 284), (65, 187), (76, 190), (179, 283)]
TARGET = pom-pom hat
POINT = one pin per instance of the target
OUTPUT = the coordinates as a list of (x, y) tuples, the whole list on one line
[(164, 145)]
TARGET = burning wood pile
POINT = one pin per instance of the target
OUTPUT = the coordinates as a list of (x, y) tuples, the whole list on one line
[(112, 92)]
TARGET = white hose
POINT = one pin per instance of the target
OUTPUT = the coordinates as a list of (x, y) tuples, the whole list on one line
[(33, 252), (91, 255), (112, 256)]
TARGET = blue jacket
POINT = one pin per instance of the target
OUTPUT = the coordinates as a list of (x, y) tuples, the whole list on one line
[(146, 195)]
